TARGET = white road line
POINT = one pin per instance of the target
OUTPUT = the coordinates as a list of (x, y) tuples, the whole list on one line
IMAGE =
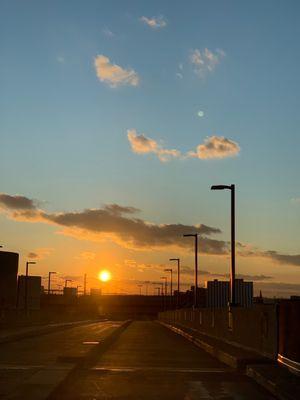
[(160, 369)]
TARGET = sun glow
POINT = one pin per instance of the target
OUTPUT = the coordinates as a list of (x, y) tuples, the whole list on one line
[(104, 276)]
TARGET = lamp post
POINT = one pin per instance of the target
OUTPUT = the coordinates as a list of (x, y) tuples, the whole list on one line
[(26, 285), (195, 235), (178, 278), (49, 279), (158, 290), (77, 287), (232, 270), (66, 282), (84, 284), (146, 283), (171, 284), (166, 284), (140, 286)]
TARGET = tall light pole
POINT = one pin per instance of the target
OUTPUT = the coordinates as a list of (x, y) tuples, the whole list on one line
[(171, 285), (195, 235), (49, 279), (140, 286), (158, 290), (77, 287), (166, 284), (84, 284), (178, 278), (66, 282), (146, 283), (26, 285), (232, 270)]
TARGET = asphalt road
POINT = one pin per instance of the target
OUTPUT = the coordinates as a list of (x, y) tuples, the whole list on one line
[(148, 361), (40, 357)]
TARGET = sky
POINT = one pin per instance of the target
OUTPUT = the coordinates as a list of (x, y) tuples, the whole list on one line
[(116, 117)]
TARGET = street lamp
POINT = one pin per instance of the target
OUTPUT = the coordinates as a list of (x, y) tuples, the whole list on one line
[(232, 271), (171, 272), (146, 283), (66, 282), (178, 277), (195, 235), (26, 285), (140, 286), (77, 287), (158, 290), (166, 284), (49, 279)]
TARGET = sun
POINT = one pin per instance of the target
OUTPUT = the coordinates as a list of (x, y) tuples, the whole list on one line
[(104, 276)]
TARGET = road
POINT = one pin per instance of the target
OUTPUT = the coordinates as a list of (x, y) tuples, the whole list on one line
[(148, 361), (46, 357)]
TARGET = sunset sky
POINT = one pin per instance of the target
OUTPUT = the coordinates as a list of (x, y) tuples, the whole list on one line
[(116, 117)]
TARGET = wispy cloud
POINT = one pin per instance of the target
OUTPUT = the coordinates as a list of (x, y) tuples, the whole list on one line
[(113, 74), (205, 61), (216, 147), (40, 253), (108, 33), (141, 144), (154, 22), (17, 202), (213, 147), (121, 225)]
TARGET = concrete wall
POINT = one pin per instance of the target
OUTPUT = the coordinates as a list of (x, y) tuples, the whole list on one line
[(253, 328)]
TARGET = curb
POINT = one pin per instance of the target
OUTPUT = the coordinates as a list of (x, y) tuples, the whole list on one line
[(232, 361)]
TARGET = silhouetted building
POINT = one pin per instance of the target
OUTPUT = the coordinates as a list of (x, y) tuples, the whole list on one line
[(218, 293), (95, 292), (70, 291), (33, 292), (8, 279)]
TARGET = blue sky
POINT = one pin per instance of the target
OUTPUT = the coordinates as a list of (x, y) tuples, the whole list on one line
[(64, 131)]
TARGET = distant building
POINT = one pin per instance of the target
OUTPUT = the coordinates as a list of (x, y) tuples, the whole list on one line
[(218, 293), (96, 292), (70, 291), (33, 292), (8, 279)]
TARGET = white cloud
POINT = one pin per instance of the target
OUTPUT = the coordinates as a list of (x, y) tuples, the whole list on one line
[(216, 147), (107, 32), (295, 200), (113, 74), (141, 144), (154, 22), (213, 147), (205, 61)]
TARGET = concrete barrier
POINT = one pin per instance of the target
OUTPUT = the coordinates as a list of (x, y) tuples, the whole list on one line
[(253, 328)]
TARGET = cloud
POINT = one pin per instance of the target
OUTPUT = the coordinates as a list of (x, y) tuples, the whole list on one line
[(216, 147), (87, 255), (40, 253), (283, 258), (215, 275), (295, 200), (16, 202), (154, 22), (213, 147), (141, 144), (107, 32), (113, 74), (205, 61), (120, 224)]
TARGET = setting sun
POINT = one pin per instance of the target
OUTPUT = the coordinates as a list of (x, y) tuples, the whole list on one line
[(104, 276)]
